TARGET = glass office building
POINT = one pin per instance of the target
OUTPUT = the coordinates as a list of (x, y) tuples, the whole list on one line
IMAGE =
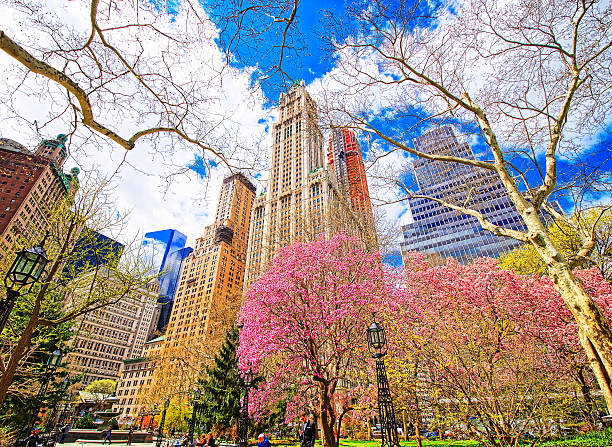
[(167, 250), (442, 232)]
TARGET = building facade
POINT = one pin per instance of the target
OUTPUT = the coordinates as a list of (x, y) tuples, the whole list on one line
[(345, 160), (442, 232), (30, 185), (106, 337), (209, 291), (302, 198), (136, 375)]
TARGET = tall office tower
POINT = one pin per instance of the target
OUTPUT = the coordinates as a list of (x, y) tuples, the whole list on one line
[(442, 232), (167, 250), (169, 284), (104, 338), (209, 291), (92, 249), (30, 185), (344, 158), (302, 198)]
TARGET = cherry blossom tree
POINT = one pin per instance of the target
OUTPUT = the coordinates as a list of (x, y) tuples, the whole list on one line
[(304, 327)]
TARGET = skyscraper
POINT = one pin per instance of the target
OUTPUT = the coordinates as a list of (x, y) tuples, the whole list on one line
[(443, 232), (168, 251), (168, 284), (302, 198), (209, 292), (345, 159), (30, 184)]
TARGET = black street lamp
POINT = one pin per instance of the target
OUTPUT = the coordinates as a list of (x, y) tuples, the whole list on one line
[(377, 344), (153, 412), (65, 408), (50, 423), (52, 363), (243, 421), (161, 425), (27, 268), (197, 393)]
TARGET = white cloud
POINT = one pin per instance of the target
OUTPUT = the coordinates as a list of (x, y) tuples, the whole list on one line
[(151, 181)]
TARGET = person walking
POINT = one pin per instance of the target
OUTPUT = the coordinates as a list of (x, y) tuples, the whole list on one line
[(34, 438), (307, 431), (63, 430), (129, 441), (108, 436), (263, 441)]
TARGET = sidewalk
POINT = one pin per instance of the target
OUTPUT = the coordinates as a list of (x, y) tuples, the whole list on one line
[(115, 443)]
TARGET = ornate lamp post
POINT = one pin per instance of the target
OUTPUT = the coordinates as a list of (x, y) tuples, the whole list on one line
[(64, 387), (65, 407), (377, 344), (152, 414), (243, 421), (196, 398), (52, 363), (161, 424), (27, 268)]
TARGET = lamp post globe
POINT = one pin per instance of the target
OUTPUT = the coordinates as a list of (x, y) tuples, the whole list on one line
[(27, 268), (377, 340), (54, 360), (247, 377)]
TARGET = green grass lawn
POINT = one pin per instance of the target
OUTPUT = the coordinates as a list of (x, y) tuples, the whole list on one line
[(426, 443), (595, 439)]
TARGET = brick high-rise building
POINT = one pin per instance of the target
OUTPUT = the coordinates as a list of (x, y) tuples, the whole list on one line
[(302, 198), (209, 291), (30, 183), (345, 159)]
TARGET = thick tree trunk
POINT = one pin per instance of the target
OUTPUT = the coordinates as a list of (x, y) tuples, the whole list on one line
[(22, 345), (594, 332), (328, 436), (589, 405)]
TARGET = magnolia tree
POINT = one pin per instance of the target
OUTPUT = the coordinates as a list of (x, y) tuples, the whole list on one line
[(530, 80), (304, 327), (496, 350)]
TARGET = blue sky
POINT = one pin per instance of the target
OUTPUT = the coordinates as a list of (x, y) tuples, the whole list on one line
[(315, 62)]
